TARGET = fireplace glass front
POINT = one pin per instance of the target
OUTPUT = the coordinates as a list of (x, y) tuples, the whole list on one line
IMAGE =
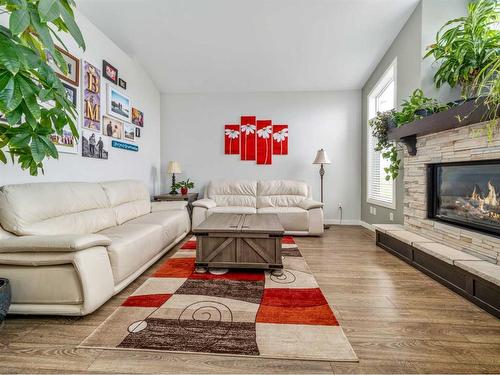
[(466, 194)]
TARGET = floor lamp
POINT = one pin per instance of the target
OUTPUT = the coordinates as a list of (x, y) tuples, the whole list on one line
[(321, 158)]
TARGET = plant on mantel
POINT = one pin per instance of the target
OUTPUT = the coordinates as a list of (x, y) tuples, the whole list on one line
[(414, 108), (467, 45), (467, 50), (32, 98)]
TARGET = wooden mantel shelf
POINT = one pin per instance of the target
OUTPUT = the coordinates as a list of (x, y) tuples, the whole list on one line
[(469, 112)]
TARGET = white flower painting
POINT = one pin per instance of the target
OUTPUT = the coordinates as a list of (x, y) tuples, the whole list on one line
[(232, 139)]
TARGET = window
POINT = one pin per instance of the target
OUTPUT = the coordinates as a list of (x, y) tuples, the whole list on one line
[(382, 98)]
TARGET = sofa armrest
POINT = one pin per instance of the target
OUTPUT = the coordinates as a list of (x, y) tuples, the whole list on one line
[(309, 204), (205, 203), (63, 242), (168, 206)]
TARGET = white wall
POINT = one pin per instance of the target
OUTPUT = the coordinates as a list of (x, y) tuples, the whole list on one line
[(193, 127), (142, 165)]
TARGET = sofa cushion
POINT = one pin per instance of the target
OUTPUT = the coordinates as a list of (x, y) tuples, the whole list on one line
[(232, 210), (174, 223), (292, 218), (232, 193), (281, 193), (129, 199), (132, 245), (55, 208)]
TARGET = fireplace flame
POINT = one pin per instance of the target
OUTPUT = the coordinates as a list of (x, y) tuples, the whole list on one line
[(490, 200)]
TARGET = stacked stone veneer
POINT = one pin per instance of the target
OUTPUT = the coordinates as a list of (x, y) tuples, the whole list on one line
[(461, 144)]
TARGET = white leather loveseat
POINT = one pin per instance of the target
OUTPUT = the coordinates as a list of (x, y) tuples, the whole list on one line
[(68, 247), (290, 200)]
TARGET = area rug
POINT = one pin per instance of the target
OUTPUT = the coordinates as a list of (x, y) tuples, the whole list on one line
[(227, 312)]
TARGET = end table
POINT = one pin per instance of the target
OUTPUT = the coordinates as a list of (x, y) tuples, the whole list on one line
[(189, 197)]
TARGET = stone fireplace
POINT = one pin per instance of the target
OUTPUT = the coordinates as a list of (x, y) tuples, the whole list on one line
[(452, 187)]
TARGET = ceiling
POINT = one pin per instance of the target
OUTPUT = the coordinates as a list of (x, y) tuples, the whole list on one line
[(196, 46)]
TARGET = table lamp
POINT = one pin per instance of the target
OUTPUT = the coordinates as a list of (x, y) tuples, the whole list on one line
[(321, 158), (173, 168)]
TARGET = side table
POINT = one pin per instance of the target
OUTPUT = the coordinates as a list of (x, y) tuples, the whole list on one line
[(189, 197)]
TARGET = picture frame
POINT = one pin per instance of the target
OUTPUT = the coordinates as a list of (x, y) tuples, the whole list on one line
[(91, 97), (138, 132), (73, 76), (94, 145), (122, 83), (111, 127), (118, 105), (129, 132), (137, 117), (65, 143), (71, 93), (109, 72)]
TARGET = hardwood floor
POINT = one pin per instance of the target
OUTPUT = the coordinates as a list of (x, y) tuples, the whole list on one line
[(397, 319)]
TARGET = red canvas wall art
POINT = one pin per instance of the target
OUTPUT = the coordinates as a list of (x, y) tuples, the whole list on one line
[(264, 141), (231, 139), (280, 139), (248, 133)]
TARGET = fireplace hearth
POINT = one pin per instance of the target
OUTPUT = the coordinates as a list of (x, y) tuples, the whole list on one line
[(465, 194)]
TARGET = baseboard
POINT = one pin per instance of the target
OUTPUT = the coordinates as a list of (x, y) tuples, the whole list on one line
[(344, 222), (364, 224)]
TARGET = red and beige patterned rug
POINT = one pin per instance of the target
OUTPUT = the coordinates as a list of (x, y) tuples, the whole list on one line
[(235, 312)]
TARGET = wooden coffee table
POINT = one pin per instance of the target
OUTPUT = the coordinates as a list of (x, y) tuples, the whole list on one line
[(239, 241)]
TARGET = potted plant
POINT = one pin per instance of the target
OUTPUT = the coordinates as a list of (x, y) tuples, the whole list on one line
[(380, 126), (184, 186), (416, 107), (464, 46)]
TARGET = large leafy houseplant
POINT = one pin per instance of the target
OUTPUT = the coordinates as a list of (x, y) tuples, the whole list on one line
[(465, 45), (32, 97)]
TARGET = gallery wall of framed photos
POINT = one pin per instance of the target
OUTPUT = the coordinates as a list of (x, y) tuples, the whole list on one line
[(125, 153)]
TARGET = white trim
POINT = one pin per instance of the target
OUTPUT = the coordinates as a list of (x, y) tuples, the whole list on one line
[(367, 226), (344, 222)]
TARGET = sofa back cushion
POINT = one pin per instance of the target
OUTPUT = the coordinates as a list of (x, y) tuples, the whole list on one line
[(281, 193), (128, 199), (232, 193), (55, 208)]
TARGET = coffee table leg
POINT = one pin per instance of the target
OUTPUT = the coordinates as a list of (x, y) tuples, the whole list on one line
[(201, 269)]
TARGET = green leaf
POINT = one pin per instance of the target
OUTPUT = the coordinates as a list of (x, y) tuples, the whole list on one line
[(37, 149), (49, 10), (8, 56), (73, 28), (50, 148), (29, 98), (19, 21), (10, 96), (20, 140), (3, 159)]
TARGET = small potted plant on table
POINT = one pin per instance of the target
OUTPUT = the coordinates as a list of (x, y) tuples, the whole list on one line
[(184, 186)]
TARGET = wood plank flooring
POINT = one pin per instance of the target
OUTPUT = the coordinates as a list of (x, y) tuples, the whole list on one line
[(397, 319)]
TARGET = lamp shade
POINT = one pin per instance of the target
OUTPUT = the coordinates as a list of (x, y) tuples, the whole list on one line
[(174, 167), (321, 157)]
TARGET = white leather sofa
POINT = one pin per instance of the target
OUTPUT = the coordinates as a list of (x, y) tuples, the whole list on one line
[(290, 200), (68, 247)]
